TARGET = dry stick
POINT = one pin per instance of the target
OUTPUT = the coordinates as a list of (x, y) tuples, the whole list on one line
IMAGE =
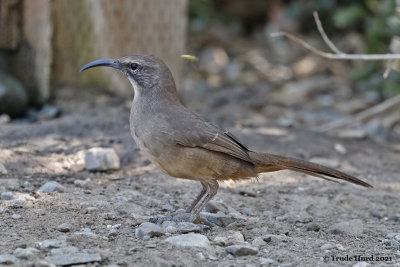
[(339, 55), (365, 114)]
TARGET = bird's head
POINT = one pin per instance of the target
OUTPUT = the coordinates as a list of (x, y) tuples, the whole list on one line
[(145, 72)]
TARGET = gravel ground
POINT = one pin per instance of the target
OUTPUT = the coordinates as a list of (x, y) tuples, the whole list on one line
[(100, 218)]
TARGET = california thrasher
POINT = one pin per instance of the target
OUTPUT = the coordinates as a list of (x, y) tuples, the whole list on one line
[(186, 146)]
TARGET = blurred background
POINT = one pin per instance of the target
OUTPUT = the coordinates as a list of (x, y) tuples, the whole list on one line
[(242, 71)]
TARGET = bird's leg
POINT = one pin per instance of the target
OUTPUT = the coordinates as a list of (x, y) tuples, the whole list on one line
[(198, 198), (211, 192)]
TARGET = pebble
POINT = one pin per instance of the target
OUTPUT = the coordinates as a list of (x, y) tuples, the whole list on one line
[(64, 227), (219, 218), (101, 159), (26, 253), (187, 227), (82, 236), (74, 258), (189, 240), (4, 119), (51, 186), (231, 239), (353, 227), (82, 183), (16, 216), (27, 185), (340, 148), (17, 203), (7, 196), (51, 243), (214, 206), (149, 229), (2, 210), (274, 238), (171, 229), (258, 241), (43, 263), (8, 259), (242, 250), (393, 236), (168, 207), (3, 169), (266, 261), (327, 246), (247, 211), (313, 227)]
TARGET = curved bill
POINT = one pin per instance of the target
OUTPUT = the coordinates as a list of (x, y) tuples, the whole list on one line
[(102, 62)]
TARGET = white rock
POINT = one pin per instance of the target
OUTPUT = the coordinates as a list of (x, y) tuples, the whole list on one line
[(8, 259), (50, 243), (101, 159), (266, 261), (26, 253), (51, 186), (74, 258), (189, 240), (327, 246)]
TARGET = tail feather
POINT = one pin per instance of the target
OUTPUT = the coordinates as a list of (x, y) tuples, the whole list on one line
[(264, 161)]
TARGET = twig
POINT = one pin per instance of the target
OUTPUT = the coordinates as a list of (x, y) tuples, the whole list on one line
[(363, 115), (323, 34), (338, 55)]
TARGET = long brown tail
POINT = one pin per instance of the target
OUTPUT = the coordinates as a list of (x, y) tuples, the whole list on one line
[(268, 162)]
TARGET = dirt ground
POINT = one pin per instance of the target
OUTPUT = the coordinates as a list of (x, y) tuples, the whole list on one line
[(298, 208)]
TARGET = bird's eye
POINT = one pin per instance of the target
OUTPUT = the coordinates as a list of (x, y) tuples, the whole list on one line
[(134, 66)]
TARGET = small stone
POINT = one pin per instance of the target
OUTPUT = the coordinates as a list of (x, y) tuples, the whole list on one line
[(247, 211), (258, 241), (82, 183), (3, 169), (266, 261), (16, 216), (189, 240), (394, 244), (353, 227), (168, 207), (75, 258), (64, 227), (26, 253), (393, 236), (113, 233), (352, 133), (7, 196), (187, 227), (27, 185), (17, 203), (64, 250), (101, 159), (313, 227), (241, 250), (168, 223), (92, 209), (340, 247), (50, 243), (4, 119), (171, 229), (51, 186), (2, 210), (221, 240), (219, 218), (8, 259), (149, 229), (340, 148), (83, 236), (272, 238), (116, 226)]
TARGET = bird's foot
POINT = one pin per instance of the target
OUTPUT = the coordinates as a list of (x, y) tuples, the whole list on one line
[(180, 217)]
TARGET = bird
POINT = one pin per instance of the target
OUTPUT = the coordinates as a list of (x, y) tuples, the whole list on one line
[(185, 146)]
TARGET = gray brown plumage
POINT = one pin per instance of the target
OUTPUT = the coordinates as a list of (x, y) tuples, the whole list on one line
[(186, 146)]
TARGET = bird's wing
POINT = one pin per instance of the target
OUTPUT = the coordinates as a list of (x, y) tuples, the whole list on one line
[(208, 136)]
